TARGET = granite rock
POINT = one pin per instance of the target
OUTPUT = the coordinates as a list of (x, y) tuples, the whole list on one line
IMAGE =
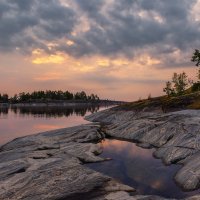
[(175, 136)]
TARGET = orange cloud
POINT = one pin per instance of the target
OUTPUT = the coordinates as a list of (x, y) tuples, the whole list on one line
[(37, 52), (70, 42), (48, 59), (147, 60)]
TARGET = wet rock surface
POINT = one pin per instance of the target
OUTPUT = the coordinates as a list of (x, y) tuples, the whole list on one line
[(175, 135), (50, 165)]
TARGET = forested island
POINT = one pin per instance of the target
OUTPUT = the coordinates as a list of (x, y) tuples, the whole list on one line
[(55, 97), (48, 95)]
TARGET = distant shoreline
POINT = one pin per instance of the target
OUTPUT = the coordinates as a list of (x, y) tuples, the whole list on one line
[(67, 103)]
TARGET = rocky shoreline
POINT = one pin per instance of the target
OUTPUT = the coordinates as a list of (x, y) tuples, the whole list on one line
[(50, 165), (175, 135)]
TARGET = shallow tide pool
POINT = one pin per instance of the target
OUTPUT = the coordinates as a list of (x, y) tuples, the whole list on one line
[(136, 167)]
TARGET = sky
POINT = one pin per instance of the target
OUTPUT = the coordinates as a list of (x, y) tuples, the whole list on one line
[(119, 49)]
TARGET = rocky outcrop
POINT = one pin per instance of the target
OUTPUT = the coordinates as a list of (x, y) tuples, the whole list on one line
[(175, 136), (50, 165)]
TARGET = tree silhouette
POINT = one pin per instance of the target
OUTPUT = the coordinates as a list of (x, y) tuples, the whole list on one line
[(178, 84), (4, 98), (48, 95), (196, 57)]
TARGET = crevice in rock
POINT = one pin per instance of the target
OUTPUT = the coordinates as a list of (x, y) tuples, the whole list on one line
[(39, 158), (43, 148), (18, 171)]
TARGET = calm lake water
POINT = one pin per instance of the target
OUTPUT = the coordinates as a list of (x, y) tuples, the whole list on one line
[(20, 121), (137, 167), (131, 165)]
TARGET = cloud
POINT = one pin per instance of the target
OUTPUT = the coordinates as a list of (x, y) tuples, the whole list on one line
[(26, 25), (164, 30), (53, 59), (159, 28)]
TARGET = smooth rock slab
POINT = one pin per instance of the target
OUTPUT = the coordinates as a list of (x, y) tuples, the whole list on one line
[(175, 135), (49, 165)]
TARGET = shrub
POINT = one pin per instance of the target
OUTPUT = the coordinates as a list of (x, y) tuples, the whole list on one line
[(196, 87)]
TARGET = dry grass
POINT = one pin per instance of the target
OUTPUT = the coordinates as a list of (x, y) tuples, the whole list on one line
[(187, 101)]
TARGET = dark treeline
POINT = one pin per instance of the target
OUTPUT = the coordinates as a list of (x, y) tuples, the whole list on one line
[(4, 98), (45, 96)]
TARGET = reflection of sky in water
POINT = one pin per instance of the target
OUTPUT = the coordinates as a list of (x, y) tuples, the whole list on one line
[(23, 121), (136, 167)]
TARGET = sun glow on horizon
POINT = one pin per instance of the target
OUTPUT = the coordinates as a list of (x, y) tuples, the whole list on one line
[(49, 76), (118, 78)]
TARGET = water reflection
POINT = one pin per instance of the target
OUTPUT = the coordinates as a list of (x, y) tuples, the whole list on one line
[(136, 167), (4, 110), (20, 121), (49, 111)]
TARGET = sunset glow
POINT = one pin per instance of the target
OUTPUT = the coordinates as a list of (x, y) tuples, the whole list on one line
[(52, 59), (121, 50)]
